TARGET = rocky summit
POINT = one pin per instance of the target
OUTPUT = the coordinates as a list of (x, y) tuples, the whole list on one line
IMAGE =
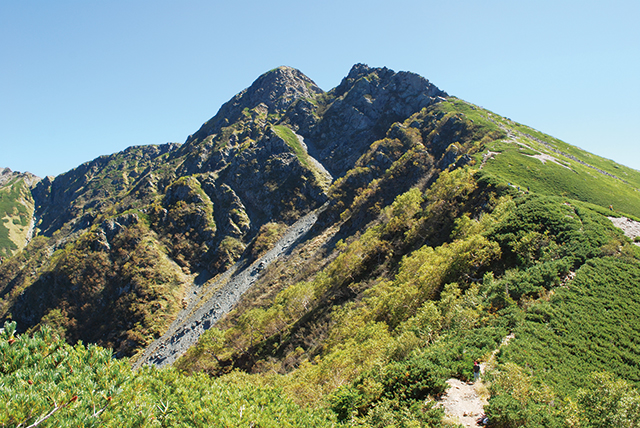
[(357, 249)]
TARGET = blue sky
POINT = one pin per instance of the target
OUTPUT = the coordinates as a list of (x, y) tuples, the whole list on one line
[(80, 79)]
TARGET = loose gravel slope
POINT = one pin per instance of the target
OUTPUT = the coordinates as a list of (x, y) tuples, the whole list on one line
[(190, 324)]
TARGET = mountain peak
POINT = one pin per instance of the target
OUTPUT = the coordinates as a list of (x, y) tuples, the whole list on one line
[(276, 89), (7, 175), (411, 84)]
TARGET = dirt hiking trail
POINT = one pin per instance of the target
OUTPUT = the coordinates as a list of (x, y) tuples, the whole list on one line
[(464, 402)]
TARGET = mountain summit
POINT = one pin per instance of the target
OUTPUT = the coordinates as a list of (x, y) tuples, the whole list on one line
[(363, 107), (274, 91)]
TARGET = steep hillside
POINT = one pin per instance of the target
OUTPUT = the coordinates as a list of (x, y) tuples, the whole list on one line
[(444, 228)]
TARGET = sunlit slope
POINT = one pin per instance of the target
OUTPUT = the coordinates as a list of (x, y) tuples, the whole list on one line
[(16, 211), (531, 160)]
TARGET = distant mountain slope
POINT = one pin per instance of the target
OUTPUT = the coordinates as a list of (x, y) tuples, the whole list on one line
[(529, 159), (16, 211)]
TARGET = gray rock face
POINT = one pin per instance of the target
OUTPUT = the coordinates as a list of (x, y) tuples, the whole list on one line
[(264, 171), (365, 104), (275, 91), (110, 228), (6, 175)]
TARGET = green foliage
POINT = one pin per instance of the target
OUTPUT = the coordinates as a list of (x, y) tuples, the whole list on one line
[(230, 250), (607, 402), (16, 209), (267, 236), (480, 117), (517, 400), (185, 221), (45, 382), (43, 379), (16, 272), (417, 314), (550, 374), (122, 296), (624, 173), (424, 273), (592, 324), (390, 413), (292, 141), (542, 229)]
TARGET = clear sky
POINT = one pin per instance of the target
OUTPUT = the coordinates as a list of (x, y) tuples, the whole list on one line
[(80, 79)]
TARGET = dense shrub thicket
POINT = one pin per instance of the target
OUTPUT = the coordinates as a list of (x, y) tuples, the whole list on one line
[(45, 382)]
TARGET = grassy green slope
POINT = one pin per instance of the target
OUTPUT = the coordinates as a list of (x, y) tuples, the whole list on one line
[(529, 159), (16, 210), (296, 147)]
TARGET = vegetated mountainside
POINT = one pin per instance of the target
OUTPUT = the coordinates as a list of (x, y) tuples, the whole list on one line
[(447, 227), (121, 238), (16, 211)]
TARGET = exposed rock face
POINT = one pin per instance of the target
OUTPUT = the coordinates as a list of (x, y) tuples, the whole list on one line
[(240, 152), (272, 92), (367, 102), (6, 175), (110, 228)]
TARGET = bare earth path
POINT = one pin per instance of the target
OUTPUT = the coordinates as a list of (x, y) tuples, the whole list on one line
[(630, 227), (462, 403)]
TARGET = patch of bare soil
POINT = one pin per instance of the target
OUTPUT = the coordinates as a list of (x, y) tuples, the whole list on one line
[(462, 403), (631, 228), (543, 157)]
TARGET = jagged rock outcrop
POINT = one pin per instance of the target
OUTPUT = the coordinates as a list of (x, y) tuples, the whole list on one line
[(7, 175), (365, 104), (75, 198), (109, 228)]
